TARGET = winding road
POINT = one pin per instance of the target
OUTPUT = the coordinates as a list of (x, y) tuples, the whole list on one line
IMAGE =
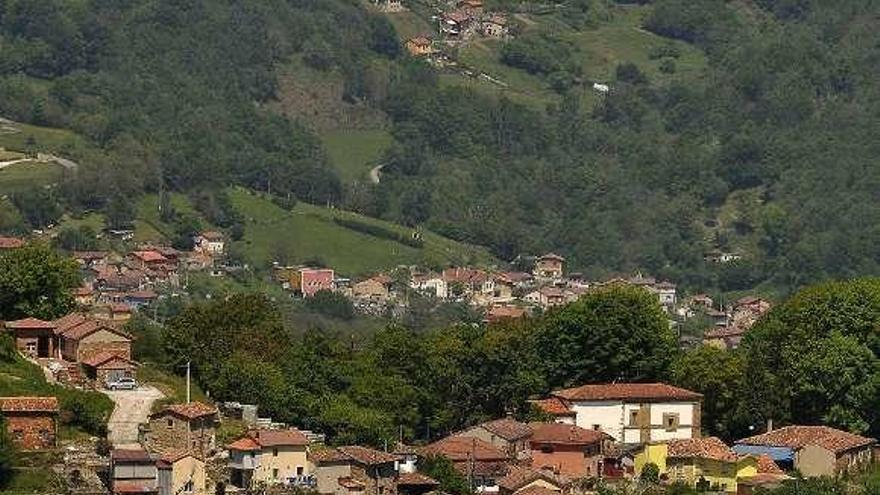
[(132, 408)]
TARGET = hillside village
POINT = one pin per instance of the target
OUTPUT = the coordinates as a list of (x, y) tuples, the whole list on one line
[(572, 441)]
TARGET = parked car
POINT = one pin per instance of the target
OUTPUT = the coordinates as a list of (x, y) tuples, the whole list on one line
[(124, 383)]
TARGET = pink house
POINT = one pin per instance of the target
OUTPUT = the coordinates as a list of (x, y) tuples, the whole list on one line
[(308, 281)]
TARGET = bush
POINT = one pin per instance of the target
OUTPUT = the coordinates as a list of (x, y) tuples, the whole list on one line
[(539, 54), (332, 304)]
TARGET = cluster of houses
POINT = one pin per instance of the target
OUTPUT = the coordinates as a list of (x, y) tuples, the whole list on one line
[(609, 431), (503, 294), (727, 325), (115, 285), (459, 21)]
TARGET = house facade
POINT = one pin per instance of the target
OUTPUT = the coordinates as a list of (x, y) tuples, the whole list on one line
[(812, 450), (33, 337), (635, 412), (269, 457), (182, 427), (351, 470), (181, 473), (549, 266), (81, 338), (31, 421), (133, 471), (702, 463), (566, 449), (473, 458), (308, 281), (210, 242), (508, 435)]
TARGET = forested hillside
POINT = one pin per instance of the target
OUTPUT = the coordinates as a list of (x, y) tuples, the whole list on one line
[(768, 152)]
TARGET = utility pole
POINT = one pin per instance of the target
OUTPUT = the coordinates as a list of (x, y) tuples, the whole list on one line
[(188, 377)]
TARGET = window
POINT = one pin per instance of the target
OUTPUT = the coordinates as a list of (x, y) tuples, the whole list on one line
[(597, 427), (299, 470), (670, 421), (275, 474), (169, 423), (188, 487), (547, 449), (634, 418), (274, 452)]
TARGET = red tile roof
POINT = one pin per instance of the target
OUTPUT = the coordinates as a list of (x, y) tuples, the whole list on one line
[(30, 324), (797, 437), (88, 326), (10, 242), (723, 332), (416, 479), (464, 275), (560, 433), (174, 455), (366, 455), (553, 406), (767, 466), (28, 404), (458, 449), (102, 358), (702, 448), (149, 256), (328, 455), (519, 477), (246, 444), (137, 455), (192, 410), (132, 487), (537, 490), (627, 391), (506, 428), (496, 313), (275, 438)]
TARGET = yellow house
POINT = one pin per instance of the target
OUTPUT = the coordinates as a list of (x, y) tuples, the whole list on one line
[(181, 473), (269, 456), (698, 461)]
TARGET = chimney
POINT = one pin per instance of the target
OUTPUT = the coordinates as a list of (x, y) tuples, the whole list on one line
[(769, 425)]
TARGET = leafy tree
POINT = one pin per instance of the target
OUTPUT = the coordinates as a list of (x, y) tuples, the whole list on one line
[(36, 281), (650, 473), (330, 303), (614, 333), (38, 206), (81, 238), (441, 469)]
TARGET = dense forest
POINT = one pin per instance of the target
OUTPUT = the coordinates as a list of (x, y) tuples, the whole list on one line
[(778, 132)]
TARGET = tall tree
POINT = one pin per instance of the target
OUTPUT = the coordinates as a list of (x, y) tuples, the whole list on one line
[(35, 280)]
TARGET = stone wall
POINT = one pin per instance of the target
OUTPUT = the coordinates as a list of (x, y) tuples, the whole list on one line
[(32, 431)]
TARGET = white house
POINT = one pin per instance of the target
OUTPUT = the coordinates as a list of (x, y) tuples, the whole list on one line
[(634, 412), (431, 284), (210, 242), (665, 293)]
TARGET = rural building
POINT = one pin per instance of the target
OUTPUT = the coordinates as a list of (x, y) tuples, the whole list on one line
[(468, 282), (504, 312), (635, 412), (414, 483), (472, 457), (747, 311), (431, 284), (420, 46), (308, 281), (376, 288), (724, 337), (521, 479), (354, 470), (31, 421), (188, 427), (10, 243), (549, 266), (702, 463), (812, 450), (269, 456), (210, 242), (33, 337), (495, 26), (82, 337), (148, 259), (106, 366), (133, 471), (559, 409), (506, 434), (181, 473), (566, 449)]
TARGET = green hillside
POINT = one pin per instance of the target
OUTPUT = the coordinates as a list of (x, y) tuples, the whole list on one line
[(309, 233)]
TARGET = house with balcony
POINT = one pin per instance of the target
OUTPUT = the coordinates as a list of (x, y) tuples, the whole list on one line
[(270, 457)]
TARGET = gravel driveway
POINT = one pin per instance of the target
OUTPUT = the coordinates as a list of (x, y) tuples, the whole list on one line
[(132, 408)]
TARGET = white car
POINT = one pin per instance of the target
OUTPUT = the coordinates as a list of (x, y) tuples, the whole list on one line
[(124, 383)]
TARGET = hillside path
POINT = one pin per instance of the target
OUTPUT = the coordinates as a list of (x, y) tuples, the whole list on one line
[(132, 408), (375, 172)]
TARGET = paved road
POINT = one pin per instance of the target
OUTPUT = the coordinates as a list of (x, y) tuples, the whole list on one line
[(132, 408)]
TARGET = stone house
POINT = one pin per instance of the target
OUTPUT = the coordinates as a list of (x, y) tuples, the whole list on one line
[(106, 366), (566, 449), (376, 288), (269, 457), (181, 473), (521, 480), (33, 337), (31, 421), (506, 434), (210, 242), (420, 46), (473, 458), (354, 470), (549, 266), (495, 26), (188, 427), (308, 281), (81, 337), (431, 284)]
